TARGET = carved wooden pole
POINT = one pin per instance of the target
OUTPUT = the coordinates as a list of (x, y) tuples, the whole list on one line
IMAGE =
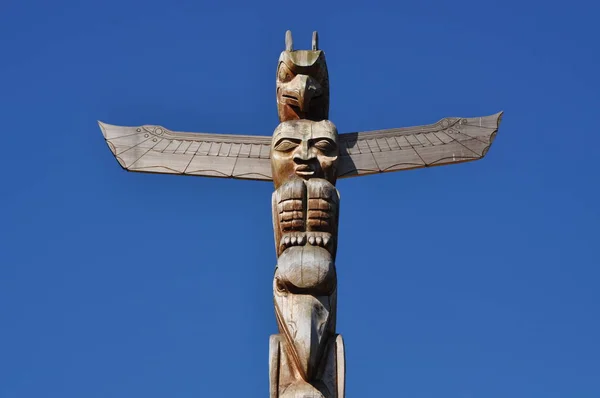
[(307, 356), (304, 158)]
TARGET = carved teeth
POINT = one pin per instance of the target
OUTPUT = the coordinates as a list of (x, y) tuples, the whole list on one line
[(293, 239), (301, 238)]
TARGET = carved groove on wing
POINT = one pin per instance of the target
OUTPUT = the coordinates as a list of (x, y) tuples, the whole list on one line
[(154, 149), (451, 140)]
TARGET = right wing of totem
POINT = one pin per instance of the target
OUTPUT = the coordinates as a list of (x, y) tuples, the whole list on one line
[(451, 140), (154, 149)]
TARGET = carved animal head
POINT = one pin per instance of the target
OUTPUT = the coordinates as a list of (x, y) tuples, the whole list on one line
[(302, 82), (304, 149)]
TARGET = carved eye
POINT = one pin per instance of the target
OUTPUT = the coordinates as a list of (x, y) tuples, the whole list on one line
[(285, 74), (285, 145), (325, 146)]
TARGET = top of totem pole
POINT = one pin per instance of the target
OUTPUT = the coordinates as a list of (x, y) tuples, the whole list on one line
[(302, 82)]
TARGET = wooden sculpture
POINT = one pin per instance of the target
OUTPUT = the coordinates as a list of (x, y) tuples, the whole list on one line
[(304, 158)]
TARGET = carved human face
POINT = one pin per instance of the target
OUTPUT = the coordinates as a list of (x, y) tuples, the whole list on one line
[(304, 149), (302, 86)]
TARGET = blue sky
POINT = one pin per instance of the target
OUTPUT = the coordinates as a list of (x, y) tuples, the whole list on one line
[(472, 280)]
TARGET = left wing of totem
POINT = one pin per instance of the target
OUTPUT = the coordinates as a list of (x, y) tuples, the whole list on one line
[(304, 158)]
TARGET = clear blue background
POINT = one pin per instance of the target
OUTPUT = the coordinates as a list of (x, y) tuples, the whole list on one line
[(475, 280)]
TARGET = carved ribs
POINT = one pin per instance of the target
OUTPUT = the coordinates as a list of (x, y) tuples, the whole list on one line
[(306, 213), (323, 202), (291, 199)]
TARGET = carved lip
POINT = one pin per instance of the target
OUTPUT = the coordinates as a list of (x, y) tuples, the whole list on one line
[(304, 170)]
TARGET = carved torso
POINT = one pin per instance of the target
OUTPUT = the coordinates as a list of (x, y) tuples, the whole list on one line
[(306, 212)]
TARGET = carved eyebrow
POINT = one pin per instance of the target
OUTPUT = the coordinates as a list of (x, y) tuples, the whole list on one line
[(322, 138)]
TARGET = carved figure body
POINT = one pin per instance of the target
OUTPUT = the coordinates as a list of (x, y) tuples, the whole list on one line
[(305, 203), (307, 354)]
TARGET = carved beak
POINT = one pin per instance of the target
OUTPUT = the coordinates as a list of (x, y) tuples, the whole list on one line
[(300, 91), (304, 320)]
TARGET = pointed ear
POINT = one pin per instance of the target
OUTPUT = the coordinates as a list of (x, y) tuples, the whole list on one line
[(315, 41), (289, 43)]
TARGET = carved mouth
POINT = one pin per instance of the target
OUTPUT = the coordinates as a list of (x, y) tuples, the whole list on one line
[(289, 100), (304, 170)]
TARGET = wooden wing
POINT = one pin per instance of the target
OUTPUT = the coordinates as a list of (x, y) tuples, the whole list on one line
[(154, 149), (451, 140)]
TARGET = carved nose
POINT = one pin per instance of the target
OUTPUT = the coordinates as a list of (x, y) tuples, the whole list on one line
[(302, 154)]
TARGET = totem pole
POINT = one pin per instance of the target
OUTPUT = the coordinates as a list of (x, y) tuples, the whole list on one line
[(304, 158), (306, 357)]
